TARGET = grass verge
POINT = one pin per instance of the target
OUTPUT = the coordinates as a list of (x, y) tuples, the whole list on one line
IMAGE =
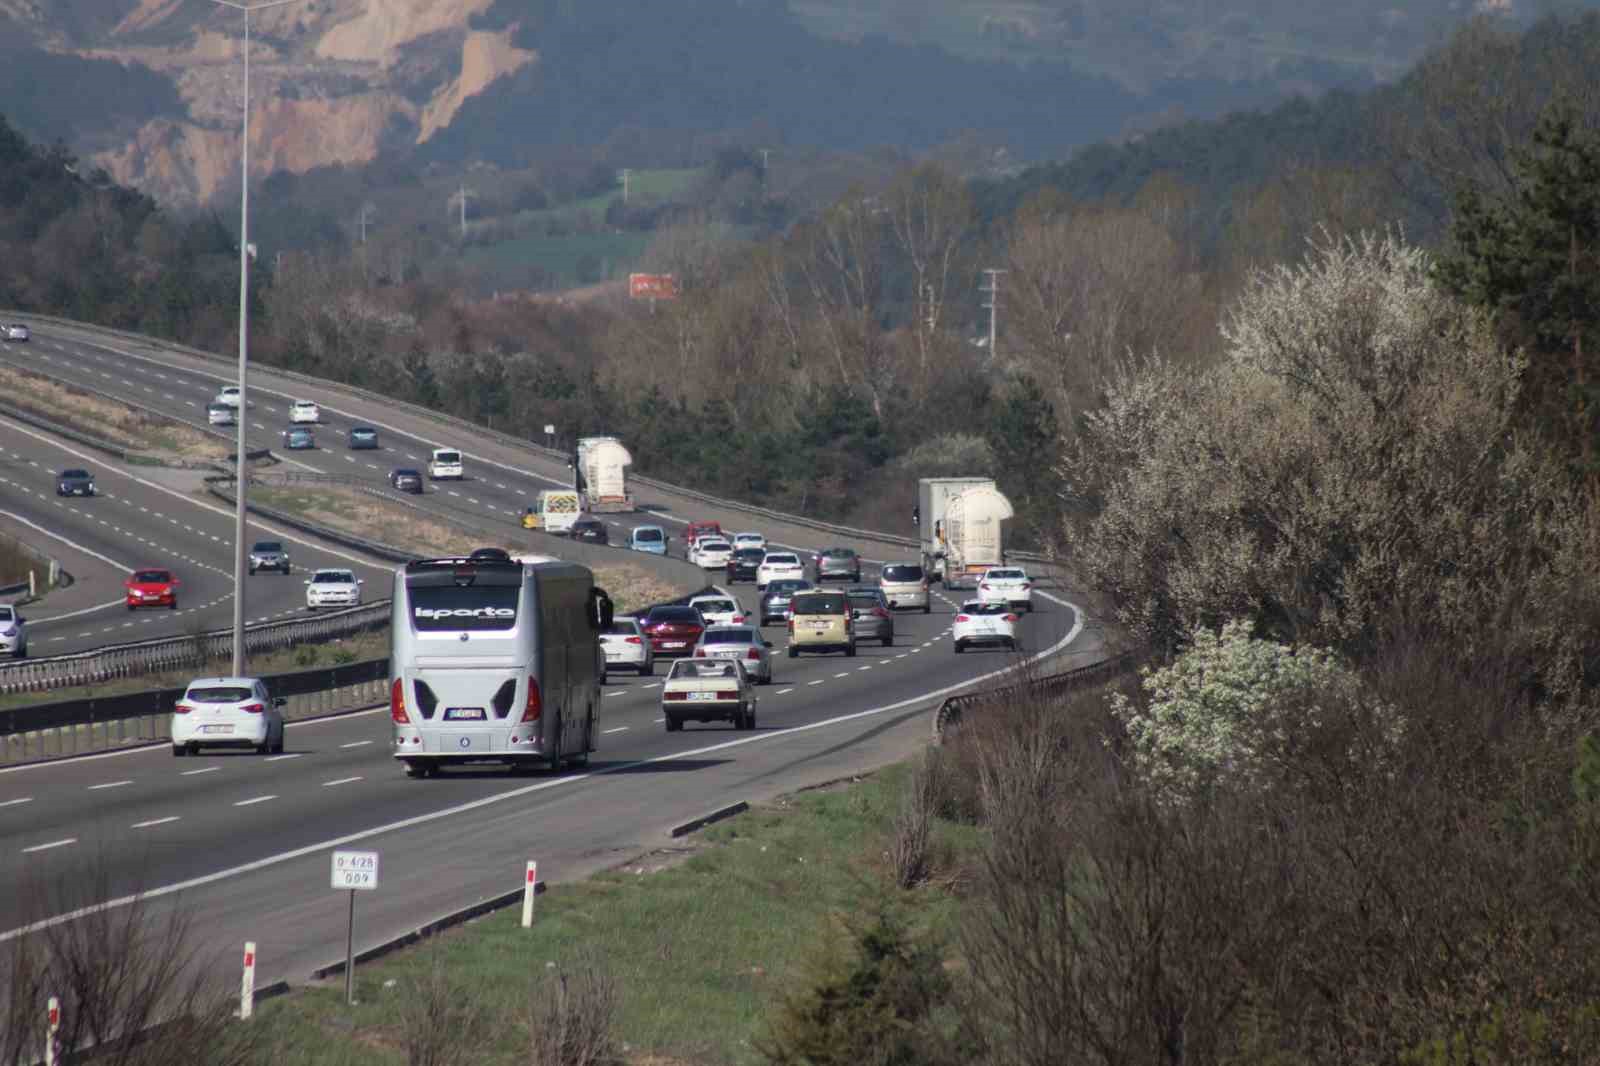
[(700, 941), (118, 423)]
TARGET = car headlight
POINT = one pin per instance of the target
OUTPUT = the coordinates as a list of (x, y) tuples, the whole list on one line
[(8, 631)]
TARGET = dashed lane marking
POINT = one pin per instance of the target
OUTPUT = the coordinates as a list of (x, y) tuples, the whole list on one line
[(154, 822), (109, 784), (342, 781), (252, 802), (52, 844)]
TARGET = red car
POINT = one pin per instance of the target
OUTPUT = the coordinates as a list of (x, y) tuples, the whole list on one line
[(152, 588), (701, 529), (673, 631)]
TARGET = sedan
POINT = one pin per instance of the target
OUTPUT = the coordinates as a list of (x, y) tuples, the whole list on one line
[(227, 712), (673, 631), (304, 411), (299, 440), (841, 563), (1007, 585), (363, 439), (744, 643), (775, 602), (16, 331), (777, 565), (222, 414), (710, 553), (13, 632), (228, 394), (333, 587), (749, 540), (984, 624), (405, 479), (627, 647), (152, 588), (590, 531), (75, 482), (743, 564), (718, 610), (870, 615), (708, 690)]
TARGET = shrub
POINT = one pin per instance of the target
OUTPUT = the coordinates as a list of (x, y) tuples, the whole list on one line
[(570, 1014)]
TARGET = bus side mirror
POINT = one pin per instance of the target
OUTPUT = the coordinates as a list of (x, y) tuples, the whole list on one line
[(602, 612)]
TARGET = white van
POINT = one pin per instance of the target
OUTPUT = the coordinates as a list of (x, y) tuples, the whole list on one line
[(558, 509), (445, 465)]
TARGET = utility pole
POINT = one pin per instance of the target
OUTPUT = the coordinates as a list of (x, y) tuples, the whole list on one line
[(765, 152), (461, 196), (623, 175), (992, 290), (368, 209)]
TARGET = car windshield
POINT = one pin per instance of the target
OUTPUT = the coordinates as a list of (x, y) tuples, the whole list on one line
[(820, 603), (864, 602), (785, 587), (983, 608), (333, 577), (152, 577), (623, 627), (729, 636), (902, 572), (7, 613), (646, 535), (267, 546), (838, 553), (218, 694), (783, 560), (715, 606), (748, 555), (742, 537), (673, 614), (447, 457), (74, 473), (704, 668), (406, 473), (364, 434), (1005, 575), (714, 546)]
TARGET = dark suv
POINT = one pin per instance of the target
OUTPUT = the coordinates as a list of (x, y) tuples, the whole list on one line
[(743, 563), (269, 555), (590, 531), (75, 482), (406, 479), (841, 563)]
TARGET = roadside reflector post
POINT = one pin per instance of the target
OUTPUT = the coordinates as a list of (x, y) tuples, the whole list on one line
[(52, 1040), (528, 888), (247, 983), (356, 871)]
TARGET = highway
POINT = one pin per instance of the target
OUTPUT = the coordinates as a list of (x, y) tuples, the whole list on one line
[(241, 842)]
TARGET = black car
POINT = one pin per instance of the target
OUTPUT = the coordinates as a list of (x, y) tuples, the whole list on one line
[(75, 482), (590, 530), (743, 562), (363, 438), (406, 479)]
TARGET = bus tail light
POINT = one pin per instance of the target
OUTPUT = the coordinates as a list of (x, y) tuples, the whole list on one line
[(535, 705), (397, 703)]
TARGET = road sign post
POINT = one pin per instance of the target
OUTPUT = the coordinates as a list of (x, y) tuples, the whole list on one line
[(52, 1039), (354, 871), (529, 888), (247, 983)]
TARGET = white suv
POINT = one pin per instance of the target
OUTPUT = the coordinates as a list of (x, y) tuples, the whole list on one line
[(445, 464), (227, 712), (304, 411), (13, 632), (228, 394), (710, 553), (776, 565), (332, 587), (1009, 585)]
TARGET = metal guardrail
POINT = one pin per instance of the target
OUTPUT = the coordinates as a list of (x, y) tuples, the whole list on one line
[(947, 719), (190, 650)]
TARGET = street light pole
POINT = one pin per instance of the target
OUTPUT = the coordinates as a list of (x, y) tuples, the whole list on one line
[(240, 479)]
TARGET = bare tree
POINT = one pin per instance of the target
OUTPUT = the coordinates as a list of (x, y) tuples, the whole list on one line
[(931, 215)]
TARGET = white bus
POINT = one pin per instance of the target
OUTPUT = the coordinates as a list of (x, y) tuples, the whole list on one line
[(495, 661)]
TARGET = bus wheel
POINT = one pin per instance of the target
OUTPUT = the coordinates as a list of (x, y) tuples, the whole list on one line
[(415, 769)]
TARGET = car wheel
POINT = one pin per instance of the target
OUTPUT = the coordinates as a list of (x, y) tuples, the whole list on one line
[(179, 751), (888, 641), (794, 652), (926, 608), (1011, 645), (277, 747), (850, 652), (265, 747), (173, 606), (673, 724), (130, 607), (647, 669), (415, 769), (960, 647)]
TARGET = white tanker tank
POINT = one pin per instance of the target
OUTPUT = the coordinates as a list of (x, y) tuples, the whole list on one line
[(602, 466), (974, 536)]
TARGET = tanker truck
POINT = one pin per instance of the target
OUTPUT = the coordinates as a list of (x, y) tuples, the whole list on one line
[(602, 480), (974, 537), (933, 501)]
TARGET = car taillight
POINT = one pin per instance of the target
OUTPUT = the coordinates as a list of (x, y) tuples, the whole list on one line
[(962, 618), (253, 708), (1026, 585), (984, 586), (738, 619), (753, 655), (728, 695), (181, 708), (397, 703), (673, 696), (791, 625), (535, 704), (1011, 618), (880, 612), (635, 640), (699, 653)]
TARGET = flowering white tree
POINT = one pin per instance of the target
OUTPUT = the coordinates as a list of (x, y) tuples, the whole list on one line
[(1233, 711)]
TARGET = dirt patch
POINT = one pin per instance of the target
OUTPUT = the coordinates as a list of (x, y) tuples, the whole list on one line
[(109, 420)]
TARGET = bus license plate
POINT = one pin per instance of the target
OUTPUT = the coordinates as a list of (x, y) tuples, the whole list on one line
[(464, 714)]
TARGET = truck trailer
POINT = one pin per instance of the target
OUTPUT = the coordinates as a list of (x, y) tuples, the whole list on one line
[(933, 500), (601, 467), (974, 536)]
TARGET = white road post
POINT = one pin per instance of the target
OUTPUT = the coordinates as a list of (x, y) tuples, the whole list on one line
[(247, 984), (527, 895), (52, 1046)]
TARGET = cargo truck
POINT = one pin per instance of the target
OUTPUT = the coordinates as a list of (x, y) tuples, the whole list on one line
[(974, 536), (933, 499), (601, 466), (554, 511)]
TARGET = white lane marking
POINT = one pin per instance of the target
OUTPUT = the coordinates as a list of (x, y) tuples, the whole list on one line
[(68, 542), (52, 844), (280, 758), (845, 674), (109, 784), (818, 682), (154, 822), (207, 770), (783, 692), (13, 803), (356, 744), (619, 729), (859, 669), (618, 692), (656, 685), (258, 799), (341, 781)]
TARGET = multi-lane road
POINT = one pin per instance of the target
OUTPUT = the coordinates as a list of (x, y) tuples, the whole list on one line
[(242, 841)]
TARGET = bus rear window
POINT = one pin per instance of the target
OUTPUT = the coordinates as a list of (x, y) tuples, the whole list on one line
[(438, 608)]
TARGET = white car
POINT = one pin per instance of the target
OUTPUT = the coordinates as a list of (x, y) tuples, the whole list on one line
[(304, 411), (708, 690), (13, 632), (710, 553), (228, 394), (749, 540), (16, 331), (981, 624), (332, 587), (775, 565), (445, 464), (742, 642), (718, 610), (227, 712), (1008, 585), (627, 648), (222, 414), (904, 585)]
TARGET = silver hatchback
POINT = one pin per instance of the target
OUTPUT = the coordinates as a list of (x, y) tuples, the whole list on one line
[(744, 643), (870, 615)]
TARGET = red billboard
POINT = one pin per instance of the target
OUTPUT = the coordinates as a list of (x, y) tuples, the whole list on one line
[(652, 286)]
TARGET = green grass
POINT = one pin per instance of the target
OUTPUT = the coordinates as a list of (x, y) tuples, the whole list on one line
[(560, 256), (699, 950)]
